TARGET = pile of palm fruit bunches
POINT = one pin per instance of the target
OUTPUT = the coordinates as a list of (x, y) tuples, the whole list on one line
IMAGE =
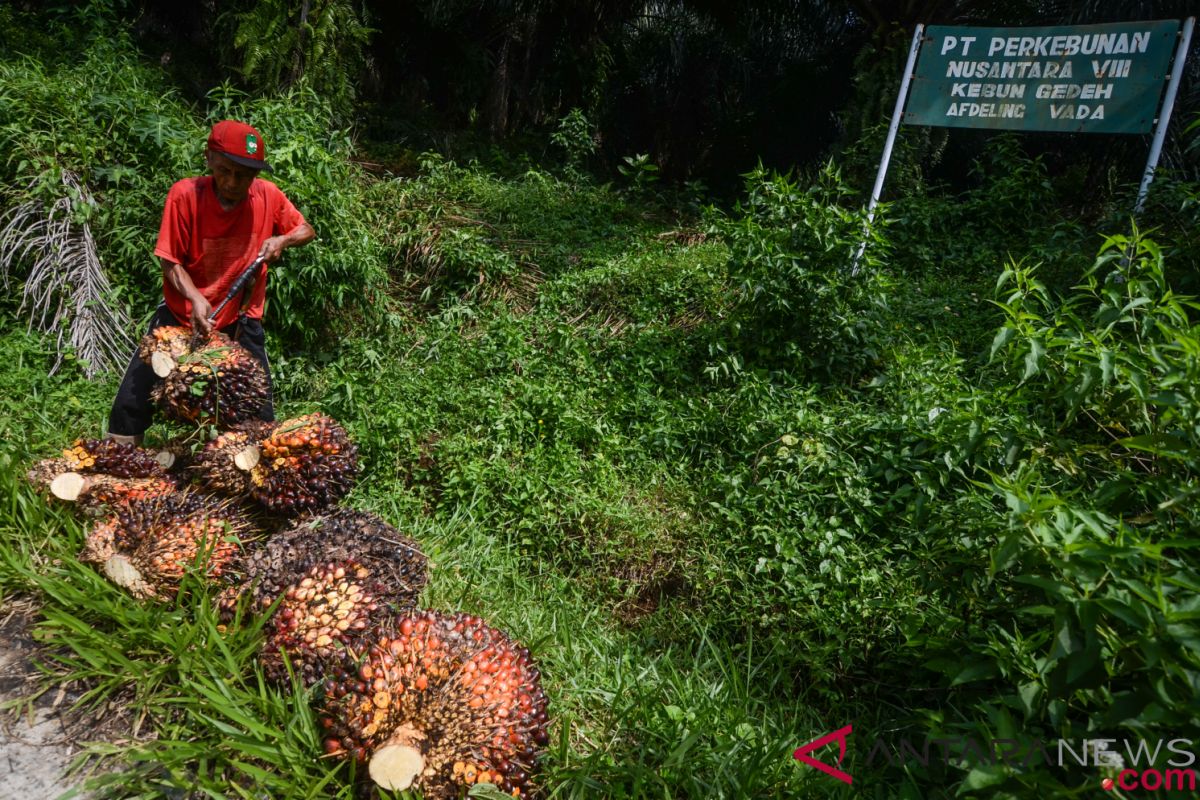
[(425, 699)]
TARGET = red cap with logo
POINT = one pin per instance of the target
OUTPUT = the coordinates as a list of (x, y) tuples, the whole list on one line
[(240, 143)]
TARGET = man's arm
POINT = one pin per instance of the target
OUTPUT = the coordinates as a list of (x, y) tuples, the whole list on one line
[(177, 278), (273, 247)]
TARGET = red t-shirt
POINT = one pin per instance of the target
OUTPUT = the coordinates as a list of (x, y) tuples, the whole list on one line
[(215, 245)]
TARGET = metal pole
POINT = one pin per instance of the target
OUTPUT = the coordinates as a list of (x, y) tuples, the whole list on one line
[(897, 113), (1164, 116)]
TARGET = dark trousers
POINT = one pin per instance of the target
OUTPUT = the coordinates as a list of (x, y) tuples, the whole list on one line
[(132, 411)]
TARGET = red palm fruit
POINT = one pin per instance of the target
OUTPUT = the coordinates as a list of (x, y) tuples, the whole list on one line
[(146, 545), (438, 702), (91, 491), (308, 463), (398, 570)]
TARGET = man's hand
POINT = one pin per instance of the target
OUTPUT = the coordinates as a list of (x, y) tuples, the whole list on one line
[(273, 248), (177, 277), (201, 308)]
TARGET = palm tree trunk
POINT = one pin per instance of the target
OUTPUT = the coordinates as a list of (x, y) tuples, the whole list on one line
[(298, 58)]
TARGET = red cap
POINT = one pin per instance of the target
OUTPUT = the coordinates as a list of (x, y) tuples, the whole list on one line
[(240, 143)]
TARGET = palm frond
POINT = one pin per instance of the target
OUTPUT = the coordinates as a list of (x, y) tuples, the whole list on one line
[(66, 289)]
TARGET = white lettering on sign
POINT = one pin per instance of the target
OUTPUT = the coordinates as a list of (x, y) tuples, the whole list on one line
[(951, 42), (1009, 70), (1005, 110), (1080, 111), (1100, 44), (1013, 90), (1112, 67), (1069, 91)]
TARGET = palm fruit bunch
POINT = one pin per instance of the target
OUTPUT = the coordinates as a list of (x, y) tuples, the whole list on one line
[(439, 702), (396, 564), (147, 545), (321, 614), (218, 383), (308, 463), (98, 493), (110, 457), (95, 491), (224, 464)]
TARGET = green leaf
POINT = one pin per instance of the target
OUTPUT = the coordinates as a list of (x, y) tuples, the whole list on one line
[(1003, 337), (1106, 366), (1033, 358), (975, 672), (1030, 693), (981, 777)]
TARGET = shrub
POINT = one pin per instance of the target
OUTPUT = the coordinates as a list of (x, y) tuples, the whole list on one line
[(792, 258)]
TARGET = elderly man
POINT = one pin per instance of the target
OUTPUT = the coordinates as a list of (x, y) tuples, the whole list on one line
[(213, 227)]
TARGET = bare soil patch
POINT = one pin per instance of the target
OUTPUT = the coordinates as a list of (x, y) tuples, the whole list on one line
[(39, 734)]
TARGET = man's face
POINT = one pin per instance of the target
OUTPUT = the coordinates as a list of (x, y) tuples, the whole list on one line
[(232, 180)]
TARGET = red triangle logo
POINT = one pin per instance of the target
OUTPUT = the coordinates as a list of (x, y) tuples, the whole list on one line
[(840, 735)]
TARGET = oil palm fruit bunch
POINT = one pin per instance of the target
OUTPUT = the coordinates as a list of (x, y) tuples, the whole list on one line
[(93, 490), (318, 617), (438, 702), (218, 383), (110, 457), (397, 569), (308, 463), (224, 464), (147, 545), (101, 493)]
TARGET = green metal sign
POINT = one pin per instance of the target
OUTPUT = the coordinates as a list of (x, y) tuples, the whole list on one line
[(1079, 78)]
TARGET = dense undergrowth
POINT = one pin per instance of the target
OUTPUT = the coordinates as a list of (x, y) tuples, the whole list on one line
[(733, 495)]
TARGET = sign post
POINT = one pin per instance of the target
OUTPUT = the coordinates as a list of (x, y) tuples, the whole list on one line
[(877, 190), (1165, 117)]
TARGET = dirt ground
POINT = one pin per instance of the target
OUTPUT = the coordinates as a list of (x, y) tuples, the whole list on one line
[(38, 738)]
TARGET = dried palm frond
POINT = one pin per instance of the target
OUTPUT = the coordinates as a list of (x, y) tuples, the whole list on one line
[(66, 288)]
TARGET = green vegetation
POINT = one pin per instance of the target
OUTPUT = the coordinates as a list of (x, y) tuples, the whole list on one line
[(731, 494)]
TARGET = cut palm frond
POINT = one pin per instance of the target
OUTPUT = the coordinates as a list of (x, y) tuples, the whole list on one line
[(66, 288)]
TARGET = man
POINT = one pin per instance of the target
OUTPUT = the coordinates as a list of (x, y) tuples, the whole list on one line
[(212, 228)]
